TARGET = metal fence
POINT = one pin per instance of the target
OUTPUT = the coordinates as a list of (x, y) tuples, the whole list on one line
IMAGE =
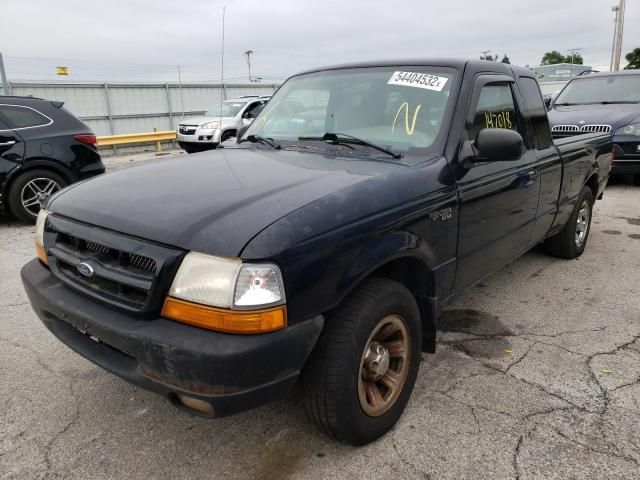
[(119, 108)]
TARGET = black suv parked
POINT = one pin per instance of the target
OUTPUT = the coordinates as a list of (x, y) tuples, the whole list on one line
[(607, 102), (43, 148)]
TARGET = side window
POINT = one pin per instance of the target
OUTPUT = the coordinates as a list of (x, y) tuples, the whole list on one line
[(495, 109), (254, 109), (20, 117), (536, 113)]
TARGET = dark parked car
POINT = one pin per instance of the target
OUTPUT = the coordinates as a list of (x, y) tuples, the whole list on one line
[(323, 247), (607, 102), (43, 148)]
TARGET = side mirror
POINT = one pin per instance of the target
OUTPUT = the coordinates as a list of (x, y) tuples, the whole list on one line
[(548, 99), (247, 115), (496, 145), (241, 132)]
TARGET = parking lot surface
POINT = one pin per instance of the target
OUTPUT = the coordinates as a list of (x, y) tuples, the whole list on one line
[(537, 375)]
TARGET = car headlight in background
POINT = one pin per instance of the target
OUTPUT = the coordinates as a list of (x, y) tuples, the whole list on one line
[(632, 129), (40, 222), (227, 295), (210, 125)]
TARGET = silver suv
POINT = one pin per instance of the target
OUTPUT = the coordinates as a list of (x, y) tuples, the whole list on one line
[(219, 124)]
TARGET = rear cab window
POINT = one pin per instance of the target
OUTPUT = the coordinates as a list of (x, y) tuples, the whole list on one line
[(539, 133), (17, 116)]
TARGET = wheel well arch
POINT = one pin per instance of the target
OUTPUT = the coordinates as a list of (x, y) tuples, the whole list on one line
[(36, 165), (418, 278), (592, 183)]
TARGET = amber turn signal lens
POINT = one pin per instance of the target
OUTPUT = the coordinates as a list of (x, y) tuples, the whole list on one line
[(42, 255), (228, 321)]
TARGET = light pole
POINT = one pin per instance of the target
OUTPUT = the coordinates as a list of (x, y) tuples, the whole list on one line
[(616, 51), (248, 53)]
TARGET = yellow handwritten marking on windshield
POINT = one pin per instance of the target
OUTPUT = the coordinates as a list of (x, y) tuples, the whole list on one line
[(405, 107)]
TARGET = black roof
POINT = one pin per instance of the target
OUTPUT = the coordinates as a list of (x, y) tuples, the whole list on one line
[(18, 97), (457, 63)]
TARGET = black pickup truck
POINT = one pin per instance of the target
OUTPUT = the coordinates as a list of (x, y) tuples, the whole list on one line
[(321, 248)]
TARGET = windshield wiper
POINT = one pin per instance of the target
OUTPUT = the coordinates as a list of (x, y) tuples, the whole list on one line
[(259, 139), (337, 138), (613, 103)]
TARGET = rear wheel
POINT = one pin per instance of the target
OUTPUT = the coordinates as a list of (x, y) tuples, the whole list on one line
[(572, 240), (362, 372), (31, 190)]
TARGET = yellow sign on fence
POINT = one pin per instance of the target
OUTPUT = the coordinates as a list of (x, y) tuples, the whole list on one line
[(62, 71)]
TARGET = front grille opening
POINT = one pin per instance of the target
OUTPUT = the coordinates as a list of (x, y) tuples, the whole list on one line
[(109, 256), (131, 296)]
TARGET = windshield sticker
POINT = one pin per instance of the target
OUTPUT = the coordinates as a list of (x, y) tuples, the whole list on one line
[(418, 80), (408, 128)]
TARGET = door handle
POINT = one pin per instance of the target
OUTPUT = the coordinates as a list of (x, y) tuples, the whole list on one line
[(7, 144), (532, 174)]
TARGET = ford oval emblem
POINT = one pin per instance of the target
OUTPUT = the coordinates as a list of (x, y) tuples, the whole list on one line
[(85, 269)]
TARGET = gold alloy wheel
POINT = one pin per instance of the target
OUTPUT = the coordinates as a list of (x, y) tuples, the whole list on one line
[(384, 366)]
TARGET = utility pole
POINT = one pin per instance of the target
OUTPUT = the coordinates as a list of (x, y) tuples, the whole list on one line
[(617, 35), (574, 52), (222, 95), (6, 86), (180, 86), (248, 53), (485, 53)]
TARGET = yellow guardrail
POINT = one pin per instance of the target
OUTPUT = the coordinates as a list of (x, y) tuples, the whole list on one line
[(133, 138)]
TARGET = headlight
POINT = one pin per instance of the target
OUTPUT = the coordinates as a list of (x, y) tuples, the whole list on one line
[(210, 125), (633, 129), (227, 295), (40, 222)]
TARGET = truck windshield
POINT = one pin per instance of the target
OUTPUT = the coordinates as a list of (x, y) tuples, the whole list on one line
[(607, 89), (398, 108), (226, 109)]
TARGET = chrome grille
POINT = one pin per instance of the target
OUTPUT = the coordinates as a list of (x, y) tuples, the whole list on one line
[(187, 129), (595, 129), (561, 131)]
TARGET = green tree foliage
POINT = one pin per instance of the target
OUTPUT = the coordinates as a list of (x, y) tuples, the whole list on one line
[(633, 57), (553, 57), (489, 58), (505, 59), (575, 59)]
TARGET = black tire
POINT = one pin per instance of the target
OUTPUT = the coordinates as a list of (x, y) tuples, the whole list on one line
[(565, 244), (227, 135), (636, 179), (331, 377), (29, 213)]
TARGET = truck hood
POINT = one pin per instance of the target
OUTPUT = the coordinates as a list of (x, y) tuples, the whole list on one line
[(212, 202), (616, 115)]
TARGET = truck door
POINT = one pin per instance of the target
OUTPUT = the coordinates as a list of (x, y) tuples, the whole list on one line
[(549, 160), (498, 200)]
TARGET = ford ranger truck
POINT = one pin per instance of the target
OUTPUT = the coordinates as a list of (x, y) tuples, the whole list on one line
[(319, 251)]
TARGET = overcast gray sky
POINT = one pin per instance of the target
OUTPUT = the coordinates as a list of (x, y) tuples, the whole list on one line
[(146, 40)]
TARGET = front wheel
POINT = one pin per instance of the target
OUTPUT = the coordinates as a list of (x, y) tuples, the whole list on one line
[(31, 190), (360, 376), (572, 239)]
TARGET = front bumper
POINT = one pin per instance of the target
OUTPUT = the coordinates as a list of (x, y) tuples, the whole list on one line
[(626, 157), (232, 373), (200, 136)]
